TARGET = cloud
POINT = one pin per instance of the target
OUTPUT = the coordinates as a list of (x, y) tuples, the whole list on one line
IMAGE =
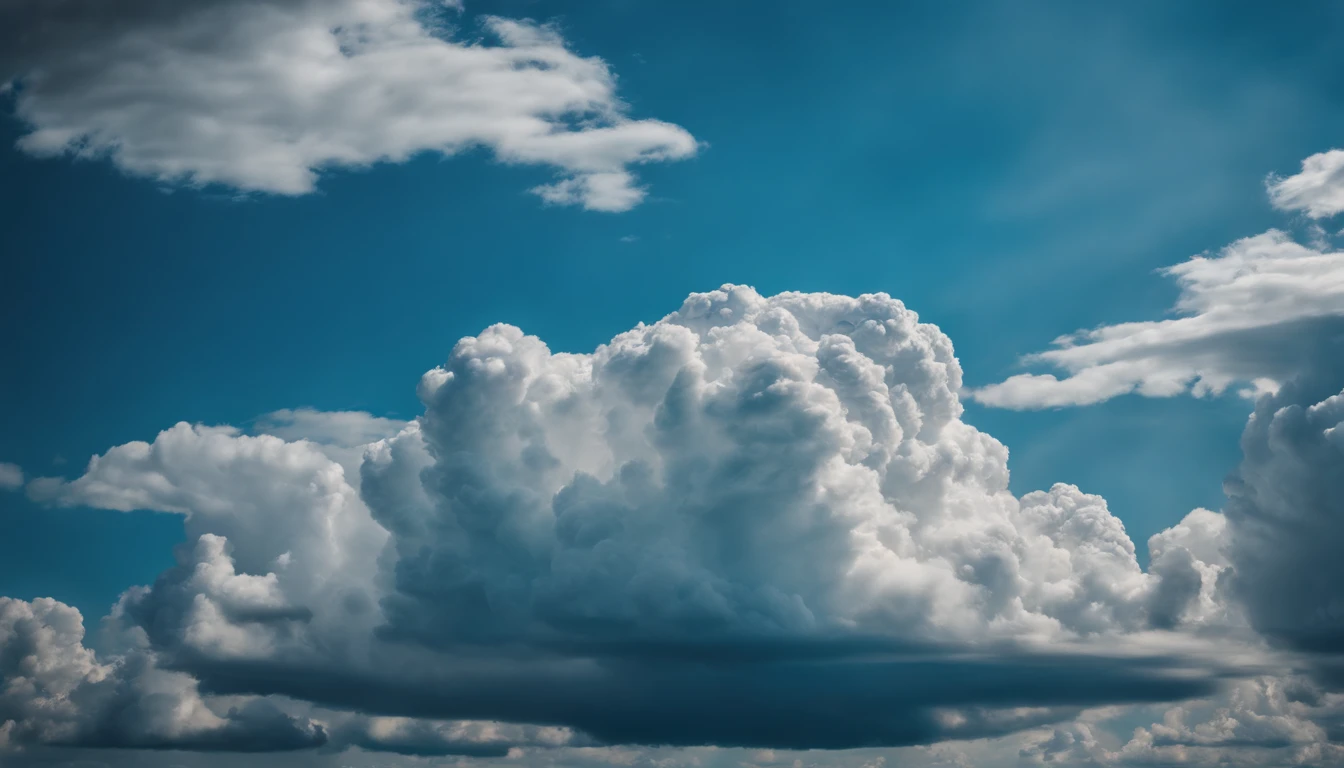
[(1258, 722), (1271, 557), (265, 96), (1191, 562), (1255, 314), (756, 522), (408, 736), (1283, 514), (346, 429), (57, 692), (1317, 191), (339, 435), (11, 477)]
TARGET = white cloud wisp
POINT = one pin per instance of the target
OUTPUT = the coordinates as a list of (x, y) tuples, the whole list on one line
[(1317, 190), (1255, 314)]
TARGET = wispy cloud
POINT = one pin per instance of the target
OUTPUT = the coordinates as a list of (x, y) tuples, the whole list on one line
[(265, 96)]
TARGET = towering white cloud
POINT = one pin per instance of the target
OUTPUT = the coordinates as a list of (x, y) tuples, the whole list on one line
[(745, 468), (264, 95), (758, 522), (1254, 315), (1317, 191)]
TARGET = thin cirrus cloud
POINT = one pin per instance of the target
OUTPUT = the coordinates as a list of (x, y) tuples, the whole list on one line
[(759, 522), (265, 96)]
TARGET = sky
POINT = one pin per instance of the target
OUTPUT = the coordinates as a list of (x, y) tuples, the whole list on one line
[(530, 382)]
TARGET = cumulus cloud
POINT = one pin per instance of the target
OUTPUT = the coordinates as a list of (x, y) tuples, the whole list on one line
[(56, 692), (1254, 315), (1317, 191), (757, 522), (1284, 517), (265, 95), (1191, 562), (1270, 558), (11, 477), (1259, 722)]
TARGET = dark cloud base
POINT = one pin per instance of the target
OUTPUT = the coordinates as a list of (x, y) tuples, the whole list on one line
[(840, 704)]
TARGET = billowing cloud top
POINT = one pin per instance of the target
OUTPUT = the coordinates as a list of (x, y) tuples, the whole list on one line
[(264, 95), (758, 522)]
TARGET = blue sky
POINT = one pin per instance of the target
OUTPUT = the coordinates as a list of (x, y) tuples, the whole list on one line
[(1010, 171)]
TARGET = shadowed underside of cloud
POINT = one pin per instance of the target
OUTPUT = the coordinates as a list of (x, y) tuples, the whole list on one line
[(792, 705), (263, 95), (756, 522), (1258, 313)]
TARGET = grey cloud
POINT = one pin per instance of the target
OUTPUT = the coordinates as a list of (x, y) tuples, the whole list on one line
[(1283, 512), (837, 704), (56, 691)]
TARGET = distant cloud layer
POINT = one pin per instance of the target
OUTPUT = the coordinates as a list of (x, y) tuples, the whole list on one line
[(265, 95)]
